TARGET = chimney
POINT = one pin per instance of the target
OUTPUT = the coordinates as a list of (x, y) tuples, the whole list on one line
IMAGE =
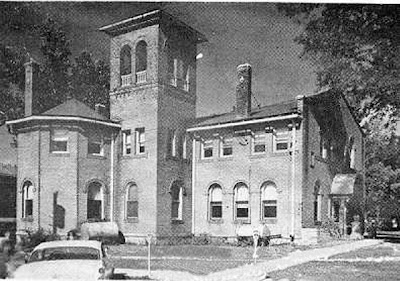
[(31, 80), (100, 109), (243, 90)]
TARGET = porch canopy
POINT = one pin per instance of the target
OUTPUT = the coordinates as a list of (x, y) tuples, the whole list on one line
[(343, 184)]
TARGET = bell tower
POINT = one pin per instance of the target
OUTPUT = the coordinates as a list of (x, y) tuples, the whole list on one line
[(153, 95)]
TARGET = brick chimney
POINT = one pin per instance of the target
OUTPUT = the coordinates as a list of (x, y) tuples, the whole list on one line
[(31, 79), (243, 90)]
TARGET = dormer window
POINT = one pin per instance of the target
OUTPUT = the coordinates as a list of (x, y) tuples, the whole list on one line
[(141, 62), (125, 65)]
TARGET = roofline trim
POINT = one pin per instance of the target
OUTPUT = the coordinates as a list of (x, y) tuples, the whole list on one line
[(105, 28), (248, 122), (62, 118)]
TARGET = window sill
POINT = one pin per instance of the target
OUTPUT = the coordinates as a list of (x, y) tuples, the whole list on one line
[(135, 156), (225, 158), (59, 154), (28, 219), (131, 220), (206, 160), (242, 221), (258, 155), (269, 221), (96, 156), (177, 221), (216, 221)]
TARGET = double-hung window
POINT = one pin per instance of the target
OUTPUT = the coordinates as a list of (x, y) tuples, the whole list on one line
[(269, 201), (215, 199), (59, 141), (140, 140), (27, 200), (95, 145), (282, 141), (132, 202), (226, 147), (126, 142), (259, 143), (207, 149), (241, 202)]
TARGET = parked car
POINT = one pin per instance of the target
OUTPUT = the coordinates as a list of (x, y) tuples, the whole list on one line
[(71, 259)]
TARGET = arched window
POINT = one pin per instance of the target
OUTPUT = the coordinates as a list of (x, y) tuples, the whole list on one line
[(184, 146), (125, 60), (241, 192), (27, 200), (174, 144), (215, 200), (95, 203), (317, 203), (269, 200), (132, 201), (176, 200), (141, 62)]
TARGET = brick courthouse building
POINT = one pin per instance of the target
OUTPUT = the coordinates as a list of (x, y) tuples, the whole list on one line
[(152, 167)]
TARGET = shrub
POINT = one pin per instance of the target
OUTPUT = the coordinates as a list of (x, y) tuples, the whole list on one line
[(39, 236), (332, 228)]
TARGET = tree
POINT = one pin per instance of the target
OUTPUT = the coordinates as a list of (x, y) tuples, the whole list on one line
[(11, 81), (55, 72), (90, 80), (355, 50)]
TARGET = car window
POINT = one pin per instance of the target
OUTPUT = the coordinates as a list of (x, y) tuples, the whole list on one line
[(65, 253)]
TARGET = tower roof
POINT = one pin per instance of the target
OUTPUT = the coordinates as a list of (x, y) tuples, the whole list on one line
[(148, 19)]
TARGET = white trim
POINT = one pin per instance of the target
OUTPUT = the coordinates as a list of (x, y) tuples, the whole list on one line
[(62, 118), (241, 123)]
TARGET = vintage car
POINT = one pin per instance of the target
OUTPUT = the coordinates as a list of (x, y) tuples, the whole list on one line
[(70, 259)]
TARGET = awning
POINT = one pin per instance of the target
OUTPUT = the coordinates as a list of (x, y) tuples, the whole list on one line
[(343, 184)]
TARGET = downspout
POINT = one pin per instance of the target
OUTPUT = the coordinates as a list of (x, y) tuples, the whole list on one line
[(293, 177), (193, 184), (112, 178), (77, 180), (39, 173)]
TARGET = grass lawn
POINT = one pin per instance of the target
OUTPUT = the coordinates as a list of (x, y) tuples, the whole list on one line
[(340, 270), (197, 259)]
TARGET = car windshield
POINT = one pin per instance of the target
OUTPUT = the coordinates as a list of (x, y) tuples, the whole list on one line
[(65, 253)]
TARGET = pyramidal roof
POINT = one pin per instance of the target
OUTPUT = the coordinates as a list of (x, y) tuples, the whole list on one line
[(73, 107)]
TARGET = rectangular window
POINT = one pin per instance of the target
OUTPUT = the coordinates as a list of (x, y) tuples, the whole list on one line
[(126, 142), (336, 210), (28, 208), (95, 145), (207, 149), (270, 207), (242, 209), (282, 141), (59, 141), (140, 140), (259, 143), (226, 147), (216, 210), (132, 209)]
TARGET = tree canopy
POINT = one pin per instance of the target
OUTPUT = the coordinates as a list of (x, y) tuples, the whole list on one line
[(58, 77), (355, 49)]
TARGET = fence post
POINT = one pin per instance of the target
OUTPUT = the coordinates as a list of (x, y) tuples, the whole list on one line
[(256, 236), (148, 238)]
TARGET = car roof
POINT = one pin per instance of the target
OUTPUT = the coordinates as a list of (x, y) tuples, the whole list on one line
[(69, 243)]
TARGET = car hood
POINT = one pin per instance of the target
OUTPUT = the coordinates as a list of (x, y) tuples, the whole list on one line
[(60, 269)]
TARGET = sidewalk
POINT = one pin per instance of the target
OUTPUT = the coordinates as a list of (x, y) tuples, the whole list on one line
[(260, 270)]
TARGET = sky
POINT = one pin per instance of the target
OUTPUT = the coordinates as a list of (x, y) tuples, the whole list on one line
[(237, 33)]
